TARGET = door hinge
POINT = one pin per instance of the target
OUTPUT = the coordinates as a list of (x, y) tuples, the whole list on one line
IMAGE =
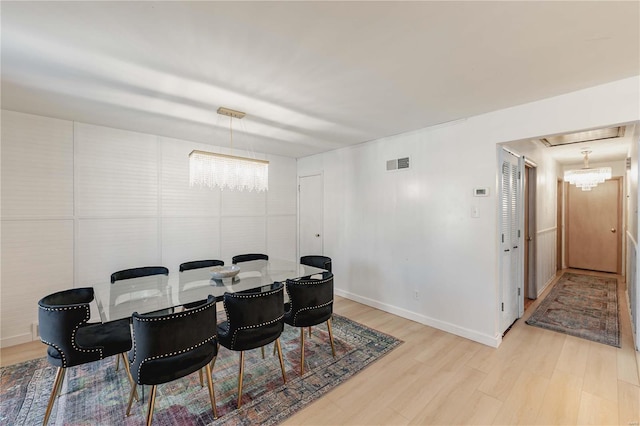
[(503, 238), (298, 188), (503, 307), (518, 233), (518, 291)]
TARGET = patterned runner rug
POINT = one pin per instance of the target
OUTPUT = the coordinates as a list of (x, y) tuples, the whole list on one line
[(583, 306), (97, 394)]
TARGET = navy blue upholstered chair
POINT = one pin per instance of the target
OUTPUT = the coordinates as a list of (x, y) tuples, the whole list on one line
[(156, 358), (310, 303), (63, 319), (322, 262), (254, 319)]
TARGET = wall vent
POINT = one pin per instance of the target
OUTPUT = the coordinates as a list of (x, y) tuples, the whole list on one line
[(399, 163)]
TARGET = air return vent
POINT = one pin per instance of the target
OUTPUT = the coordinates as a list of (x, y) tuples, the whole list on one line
[(399, 163)]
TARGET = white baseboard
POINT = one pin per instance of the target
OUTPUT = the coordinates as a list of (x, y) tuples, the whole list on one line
[(493, 341), (15, 340), (544, 287)]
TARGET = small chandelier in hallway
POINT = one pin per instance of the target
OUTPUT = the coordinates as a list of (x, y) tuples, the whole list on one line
[(587, 178)]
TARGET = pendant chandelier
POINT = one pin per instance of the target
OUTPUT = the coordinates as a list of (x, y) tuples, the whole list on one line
[(228, 171), (587, 178)]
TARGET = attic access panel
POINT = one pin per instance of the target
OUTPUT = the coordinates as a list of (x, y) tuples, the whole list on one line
[(589, 135)]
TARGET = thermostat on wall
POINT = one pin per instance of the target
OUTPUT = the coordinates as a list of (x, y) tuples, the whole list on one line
[(480, 192)]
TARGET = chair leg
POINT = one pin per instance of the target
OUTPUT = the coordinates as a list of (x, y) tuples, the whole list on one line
[(301, 351), (152, 402), (212, 395), (57, 383), (201, 380), (309, 332), (333, 349), (284, 376), (213, 361), (262, 348), (126, 367), (240, 374), (133, 391), (64, 376), (117, 362)]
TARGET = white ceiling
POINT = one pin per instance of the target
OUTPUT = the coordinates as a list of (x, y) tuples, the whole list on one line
[(311, 76)]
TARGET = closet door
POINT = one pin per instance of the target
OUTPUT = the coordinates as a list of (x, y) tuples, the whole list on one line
[(510, 236)]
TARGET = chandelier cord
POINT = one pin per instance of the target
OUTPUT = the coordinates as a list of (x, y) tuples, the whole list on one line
[(231, 132)]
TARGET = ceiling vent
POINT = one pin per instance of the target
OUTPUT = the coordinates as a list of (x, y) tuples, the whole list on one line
[(588, 136), (398, 164)]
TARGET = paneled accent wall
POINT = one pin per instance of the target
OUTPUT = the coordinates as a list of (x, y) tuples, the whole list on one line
[(632, 287), (546, 258), (80, 201)]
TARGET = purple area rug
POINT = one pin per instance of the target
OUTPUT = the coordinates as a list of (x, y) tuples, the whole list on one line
[(584, 306), (97, 394)]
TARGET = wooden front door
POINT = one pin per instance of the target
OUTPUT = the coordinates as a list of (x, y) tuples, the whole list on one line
[(593, 227)]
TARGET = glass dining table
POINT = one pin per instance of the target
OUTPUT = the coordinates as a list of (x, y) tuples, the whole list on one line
[(161, 292)]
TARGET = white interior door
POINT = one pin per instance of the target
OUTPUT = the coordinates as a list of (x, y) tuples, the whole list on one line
[(511, 249), (311, 202)]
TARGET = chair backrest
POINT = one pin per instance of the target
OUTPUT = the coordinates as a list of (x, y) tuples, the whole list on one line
[(156, 359), (248, 257), (60, 315), (144, 271), (322, 262), (310, 300), (197, 264), (254, 317)]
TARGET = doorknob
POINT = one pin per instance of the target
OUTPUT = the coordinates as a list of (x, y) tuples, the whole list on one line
[(317, 235), (613, 230)]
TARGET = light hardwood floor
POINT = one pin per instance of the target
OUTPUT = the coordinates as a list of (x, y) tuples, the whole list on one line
[(535, 377)]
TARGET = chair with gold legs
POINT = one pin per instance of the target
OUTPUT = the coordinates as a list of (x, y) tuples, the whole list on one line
[(169, 347), (254, 319), (310, 303), (63, 318)]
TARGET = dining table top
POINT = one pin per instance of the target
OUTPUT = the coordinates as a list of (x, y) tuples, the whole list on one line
[(160, 292)]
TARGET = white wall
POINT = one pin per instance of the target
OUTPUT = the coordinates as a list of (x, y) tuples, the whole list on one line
[(393, 233), (81, 201)]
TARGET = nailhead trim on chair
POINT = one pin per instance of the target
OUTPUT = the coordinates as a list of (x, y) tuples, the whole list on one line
[(167, 318), (312, 281), (249, 296), (170, 354), (73, 333), (309, 308), (233, 339), (172, 316)]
